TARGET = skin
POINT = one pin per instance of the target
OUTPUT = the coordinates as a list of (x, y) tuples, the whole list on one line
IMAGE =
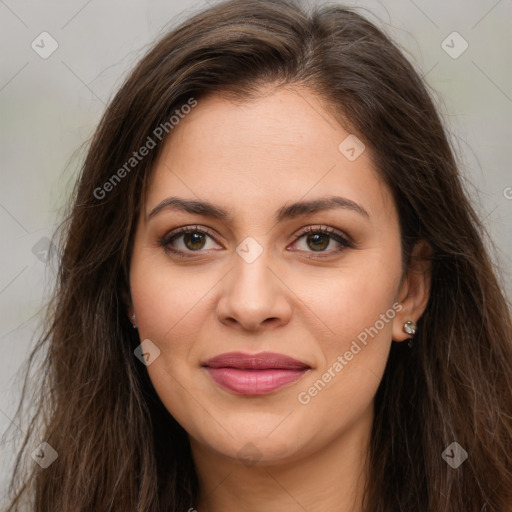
[(251, 159)]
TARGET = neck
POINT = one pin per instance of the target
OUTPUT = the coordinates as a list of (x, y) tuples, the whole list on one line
[(332, 478)]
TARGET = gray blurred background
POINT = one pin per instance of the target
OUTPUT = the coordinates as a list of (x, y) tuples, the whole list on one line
[(62, 62)]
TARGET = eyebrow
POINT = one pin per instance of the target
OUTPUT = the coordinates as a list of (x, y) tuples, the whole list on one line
[(289, 211)]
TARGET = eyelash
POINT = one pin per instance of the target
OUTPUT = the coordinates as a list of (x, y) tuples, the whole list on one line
[(165, 241)]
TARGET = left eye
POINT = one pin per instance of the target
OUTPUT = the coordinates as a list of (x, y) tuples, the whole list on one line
[(319, 239)]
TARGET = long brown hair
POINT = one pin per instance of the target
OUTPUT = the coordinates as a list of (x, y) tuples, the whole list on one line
[(118, 447)]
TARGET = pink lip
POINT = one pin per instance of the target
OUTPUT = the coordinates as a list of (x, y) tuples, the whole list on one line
[(255, 374)]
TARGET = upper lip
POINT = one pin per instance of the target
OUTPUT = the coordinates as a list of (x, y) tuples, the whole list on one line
[(260, 361)]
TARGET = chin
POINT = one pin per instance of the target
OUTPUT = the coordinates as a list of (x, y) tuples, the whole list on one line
[(252, 451), (262, 443)]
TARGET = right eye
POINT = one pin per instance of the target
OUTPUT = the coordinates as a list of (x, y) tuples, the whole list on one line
[(193, 239)]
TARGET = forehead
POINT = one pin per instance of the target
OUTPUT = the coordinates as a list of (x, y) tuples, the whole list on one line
[(282, 145)]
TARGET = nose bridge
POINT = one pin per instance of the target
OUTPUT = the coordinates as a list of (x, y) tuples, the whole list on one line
[(251, 276), (252, 293)]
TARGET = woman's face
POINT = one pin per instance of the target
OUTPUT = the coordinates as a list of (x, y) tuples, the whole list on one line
[(253, 280)]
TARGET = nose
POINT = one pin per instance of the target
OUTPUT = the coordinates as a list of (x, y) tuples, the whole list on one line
[(254, 296)]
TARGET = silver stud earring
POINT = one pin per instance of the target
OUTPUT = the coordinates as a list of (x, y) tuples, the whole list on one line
[(410, 328), (134, 320)]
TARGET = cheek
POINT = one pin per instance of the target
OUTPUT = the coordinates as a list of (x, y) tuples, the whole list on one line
[(168, 304), (341, 391), (358, 308), (353, 300), (166, 298), (171, 305)]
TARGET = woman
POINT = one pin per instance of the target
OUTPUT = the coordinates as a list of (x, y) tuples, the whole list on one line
[(273, 293)]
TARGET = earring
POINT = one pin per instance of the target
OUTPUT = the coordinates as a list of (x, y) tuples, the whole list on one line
[(134, 319), (410, 328)]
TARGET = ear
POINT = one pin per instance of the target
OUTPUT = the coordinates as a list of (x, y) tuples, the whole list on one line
[(414, 289)]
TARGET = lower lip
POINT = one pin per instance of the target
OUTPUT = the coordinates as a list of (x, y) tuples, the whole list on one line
[(254, 382)]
